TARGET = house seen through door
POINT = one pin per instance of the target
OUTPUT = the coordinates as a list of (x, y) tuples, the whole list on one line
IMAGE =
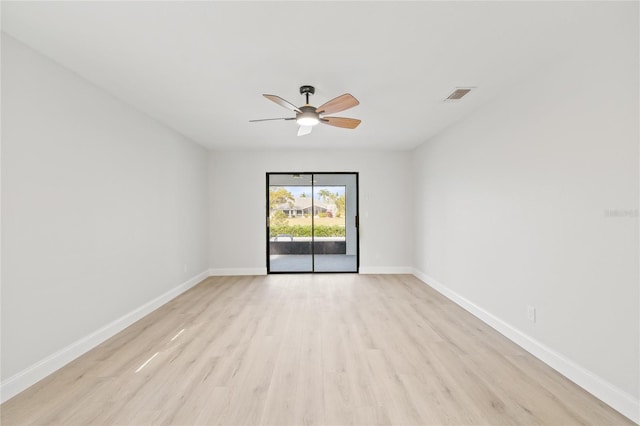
[(312, 222)]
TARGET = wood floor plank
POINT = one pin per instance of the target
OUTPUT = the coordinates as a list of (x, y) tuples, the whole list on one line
[(325, 349)]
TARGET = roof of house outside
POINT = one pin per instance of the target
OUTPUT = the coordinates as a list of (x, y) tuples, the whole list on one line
[(303, 203)]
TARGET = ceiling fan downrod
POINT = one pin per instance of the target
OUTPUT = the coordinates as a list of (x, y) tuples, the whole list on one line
[(306, 91)]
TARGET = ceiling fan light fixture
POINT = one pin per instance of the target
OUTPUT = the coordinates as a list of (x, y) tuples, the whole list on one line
[(307, 116), (307, 121)]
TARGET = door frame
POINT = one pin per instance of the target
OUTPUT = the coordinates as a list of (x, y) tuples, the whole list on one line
[(357, 227)]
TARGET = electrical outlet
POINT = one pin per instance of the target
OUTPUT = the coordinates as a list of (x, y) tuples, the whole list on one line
[(531, 313)]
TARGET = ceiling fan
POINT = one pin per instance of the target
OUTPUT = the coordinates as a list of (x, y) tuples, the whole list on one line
[(308, 116)]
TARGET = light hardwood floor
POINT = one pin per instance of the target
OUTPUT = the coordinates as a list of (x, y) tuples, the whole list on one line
[(304, 350)]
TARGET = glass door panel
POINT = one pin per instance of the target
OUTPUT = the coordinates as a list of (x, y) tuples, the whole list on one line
[(290, 223), (334, 232)]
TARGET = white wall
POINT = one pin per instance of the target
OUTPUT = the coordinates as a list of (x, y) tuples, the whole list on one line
[(516, 206), (101, 209), (237, 180)]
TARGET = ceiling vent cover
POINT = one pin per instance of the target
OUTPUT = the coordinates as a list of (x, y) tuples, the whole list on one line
[(458, 93)]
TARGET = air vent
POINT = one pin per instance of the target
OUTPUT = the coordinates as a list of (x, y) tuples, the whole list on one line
[(458, 93)]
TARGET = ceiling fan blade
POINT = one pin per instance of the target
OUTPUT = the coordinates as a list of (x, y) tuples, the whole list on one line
[(270, 119), (282, 102), (338, 104), (304, 130), (347, 123)]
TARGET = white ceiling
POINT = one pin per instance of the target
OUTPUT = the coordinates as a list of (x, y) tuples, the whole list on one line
[(201, 67)]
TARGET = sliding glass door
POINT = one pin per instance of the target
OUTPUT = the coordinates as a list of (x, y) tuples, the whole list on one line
[(290, 223), (312, 222)]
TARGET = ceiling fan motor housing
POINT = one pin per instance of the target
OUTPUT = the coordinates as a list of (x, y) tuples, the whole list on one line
[(307, 116)]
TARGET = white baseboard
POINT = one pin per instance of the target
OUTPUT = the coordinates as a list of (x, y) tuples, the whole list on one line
[(618, 399), (38, 371), (220, 272), (386, 270)]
